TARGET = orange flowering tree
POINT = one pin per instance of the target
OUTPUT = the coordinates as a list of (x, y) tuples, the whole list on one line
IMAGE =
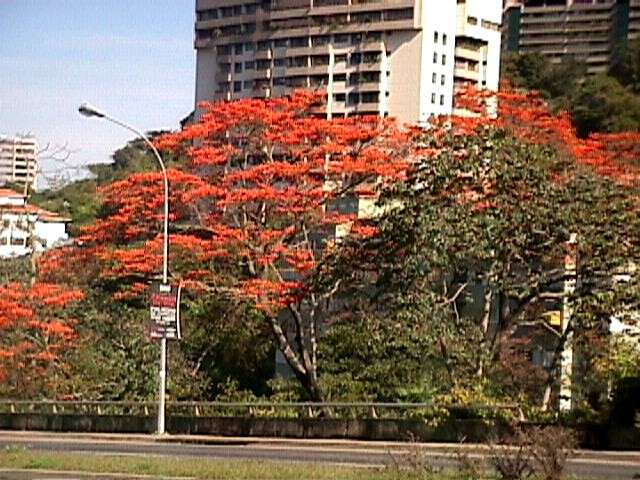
[(35, 331), (270, 187)]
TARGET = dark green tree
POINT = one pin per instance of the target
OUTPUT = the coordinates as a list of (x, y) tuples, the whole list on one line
[(556, 82), (627, 69), (602, 104), (452, 295)]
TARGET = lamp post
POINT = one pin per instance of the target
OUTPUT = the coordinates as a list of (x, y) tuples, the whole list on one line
[(90, 111)]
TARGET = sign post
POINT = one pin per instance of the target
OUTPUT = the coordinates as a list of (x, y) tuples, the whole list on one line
[(165, 318), (165, 311)]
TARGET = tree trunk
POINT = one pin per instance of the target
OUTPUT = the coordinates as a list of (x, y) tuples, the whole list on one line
[(557, 354), (305, 371), (486, 321)]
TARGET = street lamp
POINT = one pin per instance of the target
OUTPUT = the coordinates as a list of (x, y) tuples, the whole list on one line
[(91, 111)]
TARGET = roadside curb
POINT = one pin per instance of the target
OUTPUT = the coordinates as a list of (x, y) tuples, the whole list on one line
[(209, 440), (92, 475)]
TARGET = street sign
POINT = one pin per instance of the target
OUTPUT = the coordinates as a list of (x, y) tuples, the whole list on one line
[(165, 311)]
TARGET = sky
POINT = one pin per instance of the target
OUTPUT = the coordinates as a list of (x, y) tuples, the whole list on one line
[(133, 59)]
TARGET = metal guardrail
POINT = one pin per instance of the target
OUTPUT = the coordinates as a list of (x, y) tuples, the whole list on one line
[(255, 409)]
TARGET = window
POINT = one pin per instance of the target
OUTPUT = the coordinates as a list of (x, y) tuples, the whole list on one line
[(298, 42), (371, 57), (319, 80), (297, 61), (280, 43), (340, 97), (249, 46), (250, 65), (472, 20), (251, 8), (341, 38), (208, 14), (441, 99), (435, 57), (435, 37), (341, 58), (355, 59), (237, 68), (262, 46), (434, 77), (320, 60), (353, 98), (374, 36), (280, 62), (444, 59), (263, 64), (279, 81), (237, 86), (443, 80), (18, 242), (444, 38), (203, 34), (223, 49), (248, 84), (433, 98), (237, 49), (340, 77), (4, 240), (369, 97)]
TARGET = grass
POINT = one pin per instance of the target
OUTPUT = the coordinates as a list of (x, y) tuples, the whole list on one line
[(201, 469)]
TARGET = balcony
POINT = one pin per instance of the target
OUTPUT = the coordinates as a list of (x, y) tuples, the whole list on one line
[(263, 54), (369, 108), (298, 71), (365, 87), (466, 74), (475, 55), (223, 76), (317, 69), (262, 74), (289, 4)]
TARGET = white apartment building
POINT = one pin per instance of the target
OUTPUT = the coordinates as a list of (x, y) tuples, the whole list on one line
[(18, 160), (399, 58), (26, 228)]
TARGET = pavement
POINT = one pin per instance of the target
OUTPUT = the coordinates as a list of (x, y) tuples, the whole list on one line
[(584, 463)]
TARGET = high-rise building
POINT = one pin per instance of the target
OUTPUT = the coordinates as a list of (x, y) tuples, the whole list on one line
[(590, 31), (18, 159), (399, 58)]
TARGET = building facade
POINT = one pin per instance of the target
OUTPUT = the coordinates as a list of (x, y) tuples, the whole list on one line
[(399, 58), (18, 160), (590, 31), (26, 228)]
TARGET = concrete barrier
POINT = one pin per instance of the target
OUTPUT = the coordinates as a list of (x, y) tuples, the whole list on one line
[(451, 431), (364, 429)]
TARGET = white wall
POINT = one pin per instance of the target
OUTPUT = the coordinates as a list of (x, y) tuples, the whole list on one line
[(405, 79), (51, 233), (205, 74), (20, 226), (488, 10), (437, 16), (12, 201)]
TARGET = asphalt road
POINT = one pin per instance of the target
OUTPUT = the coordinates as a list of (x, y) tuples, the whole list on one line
[(596, 465)]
